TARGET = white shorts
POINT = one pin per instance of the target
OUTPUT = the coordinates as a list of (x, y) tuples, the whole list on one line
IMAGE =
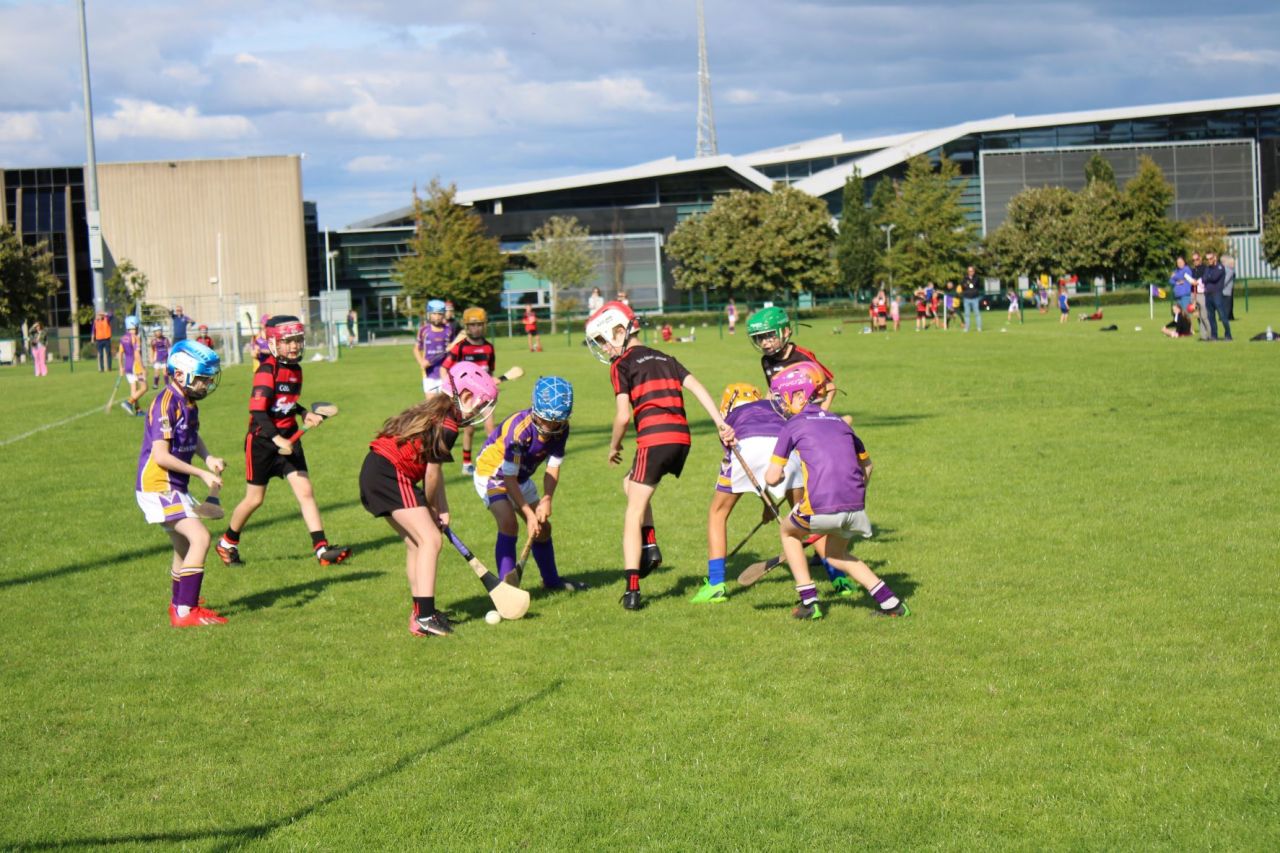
[(133, 378), (430, 386), (492, 496), (843, 524), (166, 507), (159, 365), (758, 452)]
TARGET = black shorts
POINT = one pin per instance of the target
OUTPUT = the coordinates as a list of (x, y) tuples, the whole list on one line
[(383, 489), (653, 463), (263, 460)]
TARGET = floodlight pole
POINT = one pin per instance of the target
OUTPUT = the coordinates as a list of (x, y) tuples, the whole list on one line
[(92, 217), (888, 246)]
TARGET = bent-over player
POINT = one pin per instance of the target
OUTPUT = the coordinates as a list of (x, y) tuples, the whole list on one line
[(475, 348)]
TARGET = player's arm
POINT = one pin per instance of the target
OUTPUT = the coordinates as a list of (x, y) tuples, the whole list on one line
[(433, 486), (621, 417), (216, 464), (773, 474), (161, 456), (696, 388), (418, 355)]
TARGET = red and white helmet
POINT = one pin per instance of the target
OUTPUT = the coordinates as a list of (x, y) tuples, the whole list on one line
[(608, 328), (286, 336), (480, 386)]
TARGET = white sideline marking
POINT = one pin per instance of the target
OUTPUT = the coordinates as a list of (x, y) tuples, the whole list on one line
[(9, 441)]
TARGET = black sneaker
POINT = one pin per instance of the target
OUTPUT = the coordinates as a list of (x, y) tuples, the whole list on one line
[(332, 554), (650, 559), (900, 609), (631, 600), (436, 624)]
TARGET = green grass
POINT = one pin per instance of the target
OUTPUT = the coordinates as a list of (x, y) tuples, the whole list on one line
[(1084, 523)]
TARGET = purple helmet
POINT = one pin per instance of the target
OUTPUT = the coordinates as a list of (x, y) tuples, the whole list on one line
[(467, 376), (793, 388)]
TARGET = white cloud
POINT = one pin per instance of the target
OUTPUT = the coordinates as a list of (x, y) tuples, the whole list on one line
[(741, 96), (148, 120), (248, 59), (19, 127), (374, 163)]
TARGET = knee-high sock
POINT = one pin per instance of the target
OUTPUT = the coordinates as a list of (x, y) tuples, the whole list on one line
[(715, 571), (189, 586), (832, 571), (544, 554), (504, 554)]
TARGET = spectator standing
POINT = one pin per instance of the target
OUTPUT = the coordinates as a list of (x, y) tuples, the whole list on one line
[(971, 293), (1064, 306), (531, 329), (351, 328), (1214, 275), (39, 352), (595, 301), (622, 297), (1014, 308), (895, 311), (731, 315), (1229, 285), (102, 340), (180, 323), (1182, 281), (1197, 274)]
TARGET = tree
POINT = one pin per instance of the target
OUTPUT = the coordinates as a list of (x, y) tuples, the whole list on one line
[(126, 288), (1035, 236), (559, 251), (1271, 231), (1153, 239), (450, 255), (768, 243), (1206, 233), (1097, 230), (858, 242), (1098, 168), (933, 238), (26, 279)]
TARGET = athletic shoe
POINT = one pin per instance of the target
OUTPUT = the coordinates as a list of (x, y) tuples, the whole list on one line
[(807, 611), (332, 554), (650, 559), (900, 610), (844, 587), (468, 469), (426, 626), (195, 617), (230, 554), (128, 407), (631, 600), (710, 593), (566, 585)]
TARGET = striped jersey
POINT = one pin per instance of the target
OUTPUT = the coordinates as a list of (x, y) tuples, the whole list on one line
[(517, 447), (172, 418), (276, 388), (653, 381), (408, 458), (790, 354), (465, 350)]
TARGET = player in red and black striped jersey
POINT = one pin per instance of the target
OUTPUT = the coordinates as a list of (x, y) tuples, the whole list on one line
[(648, 386), (401, 480), (472, 347), (270, 447), (770, 332)]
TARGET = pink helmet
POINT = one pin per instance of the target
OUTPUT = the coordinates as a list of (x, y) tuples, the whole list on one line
[(793, 388), (467, 376)]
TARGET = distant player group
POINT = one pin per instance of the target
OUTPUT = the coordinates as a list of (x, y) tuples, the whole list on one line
[(788, 441)]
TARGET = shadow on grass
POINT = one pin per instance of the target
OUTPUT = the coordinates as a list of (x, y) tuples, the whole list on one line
[(296, 595), (902, 585), (233, 837), (162, 546)]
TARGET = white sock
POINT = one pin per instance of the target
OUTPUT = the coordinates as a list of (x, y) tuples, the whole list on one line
[(183, 610)]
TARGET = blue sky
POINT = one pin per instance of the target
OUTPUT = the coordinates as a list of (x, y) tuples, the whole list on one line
[(381, 95)]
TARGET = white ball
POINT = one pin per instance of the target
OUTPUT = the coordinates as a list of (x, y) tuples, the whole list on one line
[(493, 617), (1137, 328)]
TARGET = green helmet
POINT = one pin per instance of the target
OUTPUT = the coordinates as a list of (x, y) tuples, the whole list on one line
[(769, 324)]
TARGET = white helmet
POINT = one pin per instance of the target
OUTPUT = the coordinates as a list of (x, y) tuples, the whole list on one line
[(602, 330)]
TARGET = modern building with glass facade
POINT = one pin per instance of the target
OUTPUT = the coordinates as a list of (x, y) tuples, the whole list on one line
[(1222, 157)]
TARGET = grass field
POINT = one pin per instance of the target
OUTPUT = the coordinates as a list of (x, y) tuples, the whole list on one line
[(1085, 525)]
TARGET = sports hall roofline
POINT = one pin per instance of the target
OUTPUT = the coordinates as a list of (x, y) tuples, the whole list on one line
[(826, 146), (833, 179)]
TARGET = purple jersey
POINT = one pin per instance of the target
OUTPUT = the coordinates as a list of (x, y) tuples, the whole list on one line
[(833, 479), (161, 346), (131, 354), (757, 419), (171, 418), (434, 346), (517, 444)]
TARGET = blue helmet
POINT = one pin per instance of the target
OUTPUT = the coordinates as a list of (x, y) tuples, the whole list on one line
[(552, 398), (435, 306), (131, 322), (195, 360)]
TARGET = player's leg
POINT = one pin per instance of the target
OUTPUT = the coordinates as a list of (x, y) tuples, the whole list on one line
[(504, 548), (229, 542), (637, 513), (300, 481), (794, 531), (468, 434), (190, 535), (422, 553), (713, 589), (888, 604)]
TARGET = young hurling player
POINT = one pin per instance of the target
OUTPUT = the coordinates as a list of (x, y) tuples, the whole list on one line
[(504, 477), (476, 349), (770, 332), (432, 346), (159, 357), (133, 365), (268, 450), (401, 480), (834, 503), (648, 384), (170, 438)]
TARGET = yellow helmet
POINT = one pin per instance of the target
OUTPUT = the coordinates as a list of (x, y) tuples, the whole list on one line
[(474, 315), (735, 394)]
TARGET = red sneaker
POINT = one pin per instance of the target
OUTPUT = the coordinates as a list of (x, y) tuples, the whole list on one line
[(197, 616)]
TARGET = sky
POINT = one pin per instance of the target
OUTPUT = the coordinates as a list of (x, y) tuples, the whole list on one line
[(381, 96)]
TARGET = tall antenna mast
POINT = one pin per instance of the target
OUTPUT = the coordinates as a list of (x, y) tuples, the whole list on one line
[(706, 117)]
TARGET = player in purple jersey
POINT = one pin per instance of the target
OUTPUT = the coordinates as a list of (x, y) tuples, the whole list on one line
[(170, 439), (159, 357), (432, 346), (504, 478), (133, 365), (834, 503)]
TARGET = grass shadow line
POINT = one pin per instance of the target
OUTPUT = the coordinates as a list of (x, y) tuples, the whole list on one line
[(305, 593)]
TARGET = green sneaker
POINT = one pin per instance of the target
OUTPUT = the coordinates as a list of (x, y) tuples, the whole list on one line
[(844, 587), (710, 593), (807, 611), (900, 610)]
